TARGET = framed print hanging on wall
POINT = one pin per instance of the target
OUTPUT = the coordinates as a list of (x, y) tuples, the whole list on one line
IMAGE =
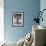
[(17, 19)]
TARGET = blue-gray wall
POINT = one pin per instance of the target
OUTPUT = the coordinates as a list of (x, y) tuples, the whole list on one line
[(29, 7)]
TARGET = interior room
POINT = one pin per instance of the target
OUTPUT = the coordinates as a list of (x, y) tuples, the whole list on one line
[(22, 23)]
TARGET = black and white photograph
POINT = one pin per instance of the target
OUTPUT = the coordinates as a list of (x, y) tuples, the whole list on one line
[(17, 19)]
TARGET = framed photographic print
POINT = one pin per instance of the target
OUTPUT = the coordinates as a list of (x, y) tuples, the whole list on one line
[(17, 19)]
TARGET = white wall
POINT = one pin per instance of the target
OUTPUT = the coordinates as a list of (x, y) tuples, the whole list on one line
[(1, 20)]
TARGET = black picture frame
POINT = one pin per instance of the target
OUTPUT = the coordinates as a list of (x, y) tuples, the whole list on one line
[(17, 19)]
